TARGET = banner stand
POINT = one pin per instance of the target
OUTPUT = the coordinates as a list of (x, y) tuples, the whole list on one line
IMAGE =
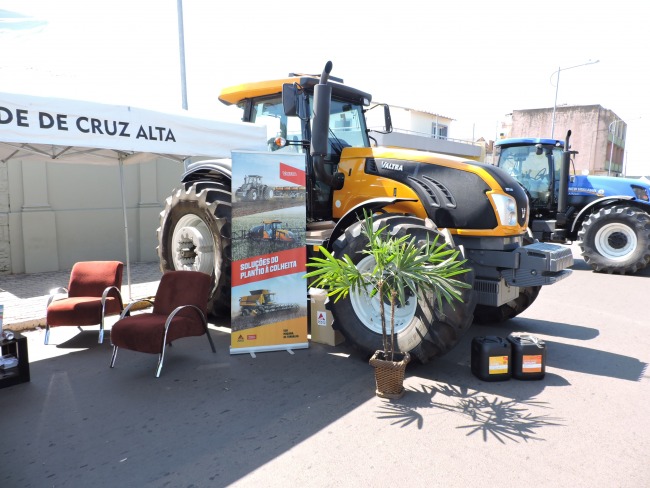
[(269, 254)]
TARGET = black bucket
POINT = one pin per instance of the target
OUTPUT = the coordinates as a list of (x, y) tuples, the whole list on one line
[(491, 357), (528, 356)]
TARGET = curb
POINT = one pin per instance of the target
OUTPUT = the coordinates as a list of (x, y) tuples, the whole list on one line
[(33, 324)]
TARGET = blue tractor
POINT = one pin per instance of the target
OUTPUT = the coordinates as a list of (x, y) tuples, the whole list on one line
[(608, 216)]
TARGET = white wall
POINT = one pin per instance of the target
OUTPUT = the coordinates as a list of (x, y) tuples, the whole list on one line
[(59, 213)]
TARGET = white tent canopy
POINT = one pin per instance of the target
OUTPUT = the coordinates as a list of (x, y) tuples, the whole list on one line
[(73, 131)]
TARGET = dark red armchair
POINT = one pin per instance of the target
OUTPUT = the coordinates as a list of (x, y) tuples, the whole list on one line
[(92, 294), (179, 310)]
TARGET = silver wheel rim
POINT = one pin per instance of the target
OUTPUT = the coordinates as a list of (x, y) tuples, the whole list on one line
[(367, 309), (615, 241), (192, 245)]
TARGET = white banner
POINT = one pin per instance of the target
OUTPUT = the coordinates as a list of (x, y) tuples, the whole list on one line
[(60, 122)]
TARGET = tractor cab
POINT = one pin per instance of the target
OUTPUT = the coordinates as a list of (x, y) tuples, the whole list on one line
[(286, 108), (535, 163)]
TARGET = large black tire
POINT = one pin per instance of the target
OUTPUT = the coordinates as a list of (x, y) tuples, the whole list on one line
[(527, 295), (422, 329), (616, 239), (194, 234)]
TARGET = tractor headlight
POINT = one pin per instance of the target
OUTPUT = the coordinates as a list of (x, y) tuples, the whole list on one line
[(506, 208), (641, 193)]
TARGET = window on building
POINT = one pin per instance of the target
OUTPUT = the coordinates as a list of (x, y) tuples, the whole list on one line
[(439, 131)]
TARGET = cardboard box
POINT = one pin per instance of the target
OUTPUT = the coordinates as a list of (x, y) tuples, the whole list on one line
[(321, 320)]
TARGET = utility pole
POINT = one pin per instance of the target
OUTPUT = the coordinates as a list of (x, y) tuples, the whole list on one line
[(557, 86)]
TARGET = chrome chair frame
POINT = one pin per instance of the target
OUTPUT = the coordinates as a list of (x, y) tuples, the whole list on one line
[(62, 290), (161, 356)]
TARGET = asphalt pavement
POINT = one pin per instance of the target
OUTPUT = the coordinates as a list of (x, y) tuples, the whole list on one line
[(311, 418)]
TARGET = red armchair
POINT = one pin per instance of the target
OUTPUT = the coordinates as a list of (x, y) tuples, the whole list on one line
[(92, 294), (179, 310)]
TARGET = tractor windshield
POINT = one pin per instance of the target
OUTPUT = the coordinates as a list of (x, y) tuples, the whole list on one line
[(533, 166), (347, 126), (269, 112)]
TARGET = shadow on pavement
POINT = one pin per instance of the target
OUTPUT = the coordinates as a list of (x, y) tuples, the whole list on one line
[(580, 265), (212, 419), (569, 356), (498, 418), (593, 361), (506, 411), (548, 328), (209, 418)]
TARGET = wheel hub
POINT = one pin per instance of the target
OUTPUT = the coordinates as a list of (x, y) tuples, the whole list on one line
[(193, 246), (368, 309), (615, 241)]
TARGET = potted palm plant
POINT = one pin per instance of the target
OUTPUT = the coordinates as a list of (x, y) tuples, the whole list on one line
[(402, 267)]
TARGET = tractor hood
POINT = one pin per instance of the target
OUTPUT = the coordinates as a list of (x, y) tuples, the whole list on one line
[(605, 186)]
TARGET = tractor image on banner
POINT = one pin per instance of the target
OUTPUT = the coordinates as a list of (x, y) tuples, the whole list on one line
[(269, 293)]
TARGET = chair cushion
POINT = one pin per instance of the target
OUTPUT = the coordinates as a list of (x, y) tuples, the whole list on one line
[(91, 278), (80, 311), (144, 332), (182, 288)]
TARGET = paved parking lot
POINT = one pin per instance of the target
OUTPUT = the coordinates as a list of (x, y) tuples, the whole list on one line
[(311, 418)]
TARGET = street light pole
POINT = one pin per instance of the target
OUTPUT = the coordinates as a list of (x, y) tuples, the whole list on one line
[(557, 86)]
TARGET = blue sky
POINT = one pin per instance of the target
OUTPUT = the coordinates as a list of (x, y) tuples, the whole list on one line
[(474, 61)]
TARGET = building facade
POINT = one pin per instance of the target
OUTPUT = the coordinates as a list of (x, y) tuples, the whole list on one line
[(597, 133), (418, 129)]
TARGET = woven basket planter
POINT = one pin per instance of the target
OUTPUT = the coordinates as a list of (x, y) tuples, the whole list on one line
[(389, 375)]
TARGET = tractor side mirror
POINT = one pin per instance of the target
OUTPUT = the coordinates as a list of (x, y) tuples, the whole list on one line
[(320, 123), (388, 123), (290, 99)]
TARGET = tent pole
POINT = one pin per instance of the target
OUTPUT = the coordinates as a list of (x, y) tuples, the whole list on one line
[(126, 228), (181, 47)]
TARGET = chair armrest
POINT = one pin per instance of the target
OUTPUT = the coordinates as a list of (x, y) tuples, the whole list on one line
[(105, 296), (127, 311), (54, 292), (178, 309)]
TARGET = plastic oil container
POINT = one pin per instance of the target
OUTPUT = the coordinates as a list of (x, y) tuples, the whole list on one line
[(491, 358), (528, 356)]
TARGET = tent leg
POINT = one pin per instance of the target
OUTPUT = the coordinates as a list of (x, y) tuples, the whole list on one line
[(126, 229)]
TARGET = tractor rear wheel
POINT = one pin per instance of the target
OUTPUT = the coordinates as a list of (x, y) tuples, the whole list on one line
[(194, 234), (616, 239), (421, 329)]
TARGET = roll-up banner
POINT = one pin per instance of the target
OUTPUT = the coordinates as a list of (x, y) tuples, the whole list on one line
[(269, 219)]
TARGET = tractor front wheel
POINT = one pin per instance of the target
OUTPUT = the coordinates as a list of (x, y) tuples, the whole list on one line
[(421, 328), (616, 239)]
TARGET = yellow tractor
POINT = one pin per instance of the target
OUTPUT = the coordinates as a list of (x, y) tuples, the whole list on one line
[(474, 207)]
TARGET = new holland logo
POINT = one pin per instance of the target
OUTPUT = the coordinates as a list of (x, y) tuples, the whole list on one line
[(393, 166)]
